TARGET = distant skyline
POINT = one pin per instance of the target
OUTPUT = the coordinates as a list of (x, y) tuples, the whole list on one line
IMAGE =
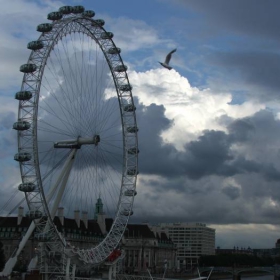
[(209, 130)]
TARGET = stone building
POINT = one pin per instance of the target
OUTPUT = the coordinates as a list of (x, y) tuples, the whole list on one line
[(82, 233), (143, 247), (192, 239), (147, 250)]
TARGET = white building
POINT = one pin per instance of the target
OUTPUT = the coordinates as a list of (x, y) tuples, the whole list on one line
[(192, 239)]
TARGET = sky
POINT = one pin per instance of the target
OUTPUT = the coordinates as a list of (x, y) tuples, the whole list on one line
[(209, 129)]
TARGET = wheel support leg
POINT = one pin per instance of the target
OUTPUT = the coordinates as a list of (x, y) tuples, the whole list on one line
[(67, 273), (73, 271)]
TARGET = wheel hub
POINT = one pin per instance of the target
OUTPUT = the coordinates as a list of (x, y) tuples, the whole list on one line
[(77, 143)]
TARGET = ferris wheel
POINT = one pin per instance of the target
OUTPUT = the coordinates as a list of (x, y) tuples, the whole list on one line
[(77, 130)]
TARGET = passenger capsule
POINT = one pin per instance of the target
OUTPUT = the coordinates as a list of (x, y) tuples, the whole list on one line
[(132, 172), (26, 187), (127, 87), (21, 125), (23, 95), (120, 68), (44, 27), (114, 50), (129, 108), (34, 214), (130, 193), (98, 22), (28, 68), (133, 151), (106, 35), (22, 156), (88, 13), (66, 10), (35, 45), (132, 129), (78, 9), (55, 16), (126, 212)]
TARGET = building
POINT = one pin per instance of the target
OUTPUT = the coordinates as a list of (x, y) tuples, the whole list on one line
[(192, 240), (144, 249), (148, 250), (79, 232)]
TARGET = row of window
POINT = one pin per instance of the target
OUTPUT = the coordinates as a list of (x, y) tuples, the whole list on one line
[(82, 237), (68, 235), (20, 229), (13, 229)]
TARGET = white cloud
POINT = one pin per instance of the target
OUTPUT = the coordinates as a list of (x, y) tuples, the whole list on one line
[(18, 22), (131, 35), (193, 110)]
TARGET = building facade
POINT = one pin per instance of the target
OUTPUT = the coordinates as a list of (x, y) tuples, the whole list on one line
[(80, 232), (147, 250), (192, 240), (143, 249)]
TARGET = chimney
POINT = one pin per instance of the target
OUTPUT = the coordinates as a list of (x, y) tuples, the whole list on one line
[(77, 217), (20, 215), (60, 214), (85, 218)]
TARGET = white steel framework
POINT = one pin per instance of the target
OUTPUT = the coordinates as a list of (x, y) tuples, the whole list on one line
[(77, 131)]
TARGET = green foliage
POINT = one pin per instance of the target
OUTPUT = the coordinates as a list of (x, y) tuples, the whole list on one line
[(230, 260)]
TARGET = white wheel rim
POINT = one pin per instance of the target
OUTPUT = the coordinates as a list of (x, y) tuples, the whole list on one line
[(47, 122)]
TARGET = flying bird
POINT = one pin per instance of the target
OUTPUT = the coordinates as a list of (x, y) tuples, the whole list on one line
[(167, 60)]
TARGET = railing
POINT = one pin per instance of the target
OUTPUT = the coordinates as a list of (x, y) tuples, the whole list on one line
[(237, 270), (139, 277)]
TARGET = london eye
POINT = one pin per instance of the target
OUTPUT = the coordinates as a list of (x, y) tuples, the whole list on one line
[(77, 130)]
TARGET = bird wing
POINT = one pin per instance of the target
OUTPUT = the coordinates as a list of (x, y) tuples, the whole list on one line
[(168, 57)]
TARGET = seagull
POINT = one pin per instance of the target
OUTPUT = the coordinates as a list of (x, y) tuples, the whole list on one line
[(167, 59)]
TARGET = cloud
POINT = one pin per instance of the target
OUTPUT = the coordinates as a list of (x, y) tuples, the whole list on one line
[(192, 110), (232, 192), (137, 32), (235, 47), (242, 17), (208, 155), (208, 130), (213, 175), (257, 70), (198, 152), (18, 22), (254, 236)]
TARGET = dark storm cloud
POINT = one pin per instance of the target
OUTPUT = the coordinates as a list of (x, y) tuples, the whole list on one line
[(212, 153), (256, 69), (155, 156), (240, 129), (232, 192), (208, 155), (238, 44), (251, 17)]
